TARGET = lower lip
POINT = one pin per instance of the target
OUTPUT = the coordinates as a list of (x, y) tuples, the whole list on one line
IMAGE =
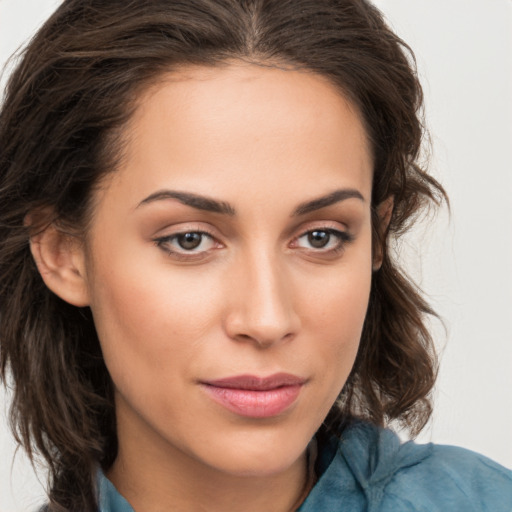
[(255, 404)]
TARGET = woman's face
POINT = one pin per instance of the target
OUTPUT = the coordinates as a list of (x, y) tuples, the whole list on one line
[(228, 266)]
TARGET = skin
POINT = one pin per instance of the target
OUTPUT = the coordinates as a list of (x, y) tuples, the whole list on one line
[(255, 297)]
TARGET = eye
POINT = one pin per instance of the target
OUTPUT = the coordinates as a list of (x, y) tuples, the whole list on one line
[(187, 243), (323, 240)]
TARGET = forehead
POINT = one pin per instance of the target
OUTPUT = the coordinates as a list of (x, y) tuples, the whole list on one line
[(240, 125)]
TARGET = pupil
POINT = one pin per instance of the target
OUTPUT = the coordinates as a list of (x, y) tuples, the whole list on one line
[(319, 239), (189, 240)]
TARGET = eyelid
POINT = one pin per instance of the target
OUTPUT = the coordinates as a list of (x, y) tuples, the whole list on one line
[(344, 237), (163, 241), (336, 232), (322, 225), (186, 227)]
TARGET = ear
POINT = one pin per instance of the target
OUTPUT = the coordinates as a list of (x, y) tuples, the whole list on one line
[(60, 260), (384, 212)]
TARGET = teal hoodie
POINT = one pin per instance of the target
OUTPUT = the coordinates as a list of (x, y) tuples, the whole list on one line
[(370, 470)]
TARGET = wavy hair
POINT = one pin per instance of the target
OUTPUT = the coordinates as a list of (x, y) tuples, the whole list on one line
[(65, 105)]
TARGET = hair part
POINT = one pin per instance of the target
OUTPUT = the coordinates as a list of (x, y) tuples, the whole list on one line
[(61, 132)]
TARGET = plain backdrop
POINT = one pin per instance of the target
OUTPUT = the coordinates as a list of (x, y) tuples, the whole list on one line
[(463, 261)]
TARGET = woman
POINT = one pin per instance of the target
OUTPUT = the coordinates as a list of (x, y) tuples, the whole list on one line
[(199, 308)]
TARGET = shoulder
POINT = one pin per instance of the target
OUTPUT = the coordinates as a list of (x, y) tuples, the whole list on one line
[(370, 469), (450, 478)]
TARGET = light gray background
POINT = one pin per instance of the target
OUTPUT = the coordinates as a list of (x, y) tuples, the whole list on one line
[(464, 52)]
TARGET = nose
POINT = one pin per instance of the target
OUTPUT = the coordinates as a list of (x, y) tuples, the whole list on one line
[(261, 307)]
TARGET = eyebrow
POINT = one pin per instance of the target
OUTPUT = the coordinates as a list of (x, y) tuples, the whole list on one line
[(200, 202), (194, 200), (327, 200)]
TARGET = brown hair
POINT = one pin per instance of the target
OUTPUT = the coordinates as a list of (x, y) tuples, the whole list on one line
[(73, 91)]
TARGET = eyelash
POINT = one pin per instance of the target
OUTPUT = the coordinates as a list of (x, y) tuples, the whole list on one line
[(343, 237), (163, 243)]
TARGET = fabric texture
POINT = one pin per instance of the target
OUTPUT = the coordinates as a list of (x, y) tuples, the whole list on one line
[(370, 470)]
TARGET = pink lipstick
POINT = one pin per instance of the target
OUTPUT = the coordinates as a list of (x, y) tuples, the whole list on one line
[(255, 397)]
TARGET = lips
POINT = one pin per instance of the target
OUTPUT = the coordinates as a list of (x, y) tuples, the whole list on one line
[(255, 397)]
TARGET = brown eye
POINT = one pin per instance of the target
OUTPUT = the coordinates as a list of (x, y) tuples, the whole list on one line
[(323, 240), (189, 241), (187, 244), (319, 239)]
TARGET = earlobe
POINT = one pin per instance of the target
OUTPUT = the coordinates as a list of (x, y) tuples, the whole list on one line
[(60, 260), (384, 212)]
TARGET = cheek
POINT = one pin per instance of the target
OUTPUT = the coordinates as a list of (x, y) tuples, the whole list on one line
[(336, 309), (338, 300), (147, 319)]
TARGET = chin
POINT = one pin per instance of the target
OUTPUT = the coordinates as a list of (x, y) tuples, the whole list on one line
[(257, 455)]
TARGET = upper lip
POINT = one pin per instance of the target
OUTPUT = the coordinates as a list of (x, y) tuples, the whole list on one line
[(255, 383)]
